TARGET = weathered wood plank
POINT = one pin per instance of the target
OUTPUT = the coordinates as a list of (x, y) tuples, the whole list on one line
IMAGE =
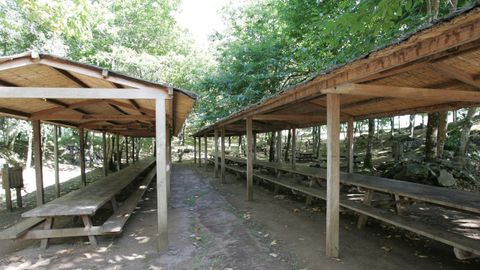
[(249, 160), (37, 150), (20, 228)]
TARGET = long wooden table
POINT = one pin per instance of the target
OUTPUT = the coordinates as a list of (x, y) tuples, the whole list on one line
[(464, 246), (86, 201)]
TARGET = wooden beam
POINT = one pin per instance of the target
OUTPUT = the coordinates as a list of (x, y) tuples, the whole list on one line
[(131, 106), (222, 163), (37, 150), (64, 107), (350, 145), (194, 150), (447, 95), (81, 137), (216, 172), (249, 160), (288, 117), (56, 130), (333, 174), (294, 147), (162, 200), (79, 93), (199, 151), (14, 113), (117, 152), (105, 117), (456, 74), (69, 76), (205, 141)]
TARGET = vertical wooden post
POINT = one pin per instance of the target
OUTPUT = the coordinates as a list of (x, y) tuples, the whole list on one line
[(194, 150), (279, 147), (6, 186), (37, 150), (216, 153), (81, 135), (249, 160), (254, 146), (55, 161), (350, 145), (168, 158), (222, 169), (117, 153), (199, 151), (294, 147), (134, 157), (104, 149), (126, 150), (206, 153), (333, 174), (162, 201)]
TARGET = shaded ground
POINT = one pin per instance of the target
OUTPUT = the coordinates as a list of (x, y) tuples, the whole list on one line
[(211, 226)]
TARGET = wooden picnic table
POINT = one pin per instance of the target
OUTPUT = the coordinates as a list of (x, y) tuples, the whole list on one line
[(85, 202), (465, 246), (457, 199)]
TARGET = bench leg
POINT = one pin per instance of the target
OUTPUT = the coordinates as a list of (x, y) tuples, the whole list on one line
[(47, 226), (88, 224), (398, 201), (114, 204), (308, 200), (367, 199)]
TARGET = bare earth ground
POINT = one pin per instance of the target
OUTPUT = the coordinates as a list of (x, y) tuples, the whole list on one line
[(211, 226)]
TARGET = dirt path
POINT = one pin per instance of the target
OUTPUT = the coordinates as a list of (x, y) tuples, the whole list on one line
[(205, 232)]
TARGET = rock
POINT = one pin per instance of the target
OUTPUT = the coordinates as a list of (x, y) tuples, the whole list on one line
[(412, 172), (445, 179)]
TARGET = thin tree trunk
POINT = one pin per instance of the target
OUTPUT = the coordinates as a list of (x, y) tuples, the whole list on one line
[(367, 162), (392, 126), (30, 149), (442, 132), (464, 137), (271, 154), (289, 137), (412, 124), (431, 137)]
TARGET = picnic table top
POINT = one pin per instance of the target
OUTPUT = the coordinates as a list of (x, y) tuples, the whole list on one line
[(87, 200), (457, 199)]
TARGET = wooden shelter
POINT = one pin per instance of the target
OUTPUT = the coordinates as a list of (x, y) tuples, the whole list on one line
[(49, 89), (434, 69)]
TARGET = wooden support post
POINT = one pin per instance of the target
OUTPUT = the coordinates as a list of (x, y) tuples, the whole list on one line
[(19, 197), (117, 153), (216, 153), (134, 157), (104, 149), (55, 160), (81, 135), (87, 221), (194, 150), (254, 146), (249, 160), (47, 226), (205, 141), (199, 151), (6, 186), (367, 199), (169, 159), (333, 174), (350, 145), (162, 200), (279, 147), (294, 147), (222, 163), (37, 150), (126, 151)]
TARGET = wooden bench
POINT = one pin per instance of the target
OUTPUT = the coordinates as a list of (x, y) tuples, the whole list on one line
[(84, 203), (455, 199)]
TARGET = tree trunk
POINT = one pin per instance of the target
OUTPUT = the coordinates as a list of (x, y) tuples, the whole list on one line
[(367, 162), (279, 147), (431, 137), (287, 148), (392, 126), (271, 154), (319, 142), (30, 149), (412, 124), (464, 137), (442, 132)]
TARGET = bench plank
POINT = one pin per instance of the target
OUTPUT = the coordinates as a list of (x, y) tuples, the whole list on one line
[(20, 228), (88, 200), (116, 222)]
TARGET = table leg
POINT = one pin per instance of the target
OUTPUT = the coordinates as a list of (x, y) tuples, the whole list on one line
[(367, 199), (88, 224), (398, 202), (47, 226)]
